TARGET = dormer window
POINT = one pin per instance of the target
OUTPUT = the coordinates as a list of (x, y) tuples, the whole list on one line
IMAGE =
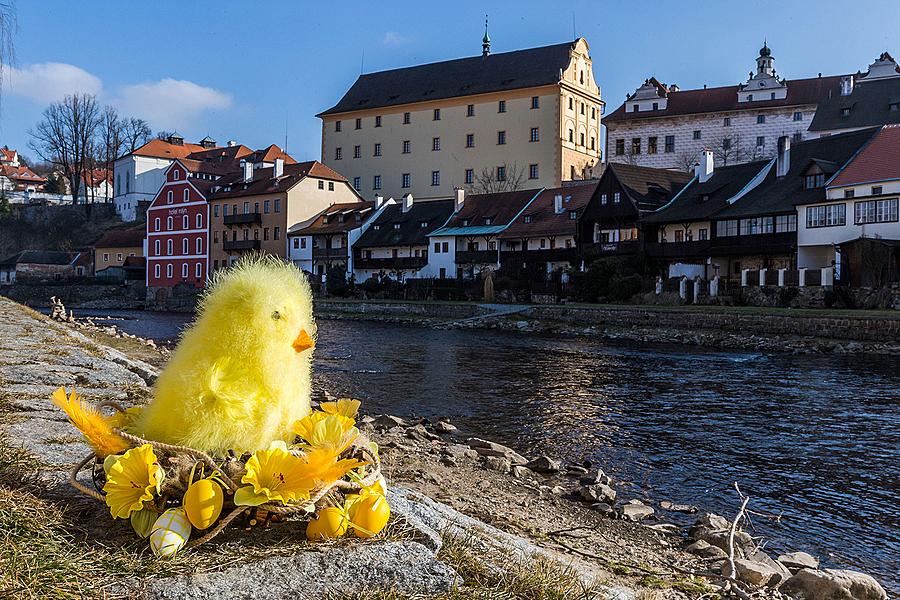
[(528, 218), (423, 224), (573, 215), (465, 222), (845, 112), (376, 227), (396, 225), (488, 220), (812, 182), (325, 219)]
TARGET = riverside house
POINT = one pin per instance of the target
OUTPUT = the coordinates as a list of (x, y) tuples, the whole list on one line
[(396, 242), (733, 219), (855, 227), (611, 222), (544, 237), (114, 248), (469, 242), (252, 209), (324, 242)]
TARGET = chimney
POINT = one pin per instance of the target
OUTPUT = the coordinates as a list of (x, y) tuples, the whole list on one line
[(557, 204), (407, 202), (847, 85), (459, 198), (704, 170), (247, 167), (783, 160), (379, 200), (232, 143), (279, 167)]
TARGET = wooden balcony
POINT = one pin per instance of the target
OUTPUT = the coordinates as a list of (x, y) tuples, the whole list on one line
[(692, 249), (319, 253), (240, 245), (253, 218), (401, 263), (476, 257), (763, 243), (540, 255)]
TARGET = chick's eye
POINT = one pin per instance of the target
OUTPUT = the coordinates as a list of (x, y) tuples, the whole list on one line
[(276, 315)]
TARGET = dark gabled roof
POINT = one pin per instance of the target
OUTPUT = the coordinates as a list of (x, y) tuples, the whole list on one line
[(869, 105), (337, 218), (543, 216), (687, 102), (411, 233), (264, 183), (646, 187), (40, 257), (500, 207), (698, 201), (879, 160), (121, 238), (776, 195), (453, 78)]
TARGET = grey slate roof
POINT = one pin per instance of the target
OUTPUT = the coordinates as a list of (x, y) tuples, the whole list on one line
[(699, 201), (40, 257), (411, 232), (460, 77), (776, 195), (648, 188), (869, 105)]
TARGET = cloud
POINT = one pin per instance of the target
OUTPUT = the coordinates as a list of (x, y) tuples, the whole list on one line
[(52, 81), (392, 38), (170, 103)]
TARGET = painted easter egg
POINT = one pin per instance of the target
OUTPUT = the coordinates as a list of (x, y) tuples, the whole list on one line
[(369, 514), (170, 533), (203, 503), (143, 520), (330, 522)]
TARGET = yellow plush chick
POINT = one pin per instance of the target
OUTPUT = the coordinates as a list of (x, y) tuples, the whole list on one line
[(241, 375)]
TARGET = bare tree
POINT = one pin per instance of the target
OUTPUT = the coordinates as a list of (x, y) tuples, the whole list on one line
[(491, 181), (136, 132), (110, 141), (9, 25), (65, 137), (164, 135), (686, 159), (729, 150)]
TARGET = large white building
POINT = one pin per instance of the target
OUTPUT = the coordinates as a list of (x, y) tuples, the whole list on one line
[(527, 118), (664, 126)]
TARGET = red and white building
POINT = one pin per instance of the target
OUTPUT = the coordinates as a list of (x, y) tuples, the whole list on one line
[(178, 231)]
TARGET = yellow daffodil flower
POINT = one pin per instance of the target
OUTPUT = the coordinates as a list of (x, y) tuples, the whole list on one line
[(275, 475), (132, 480), (322, 430), (344, 407), (326, 468)]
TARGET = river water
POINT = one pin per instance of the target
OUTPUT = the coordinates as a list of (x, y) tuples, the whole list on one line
[(813, 438)]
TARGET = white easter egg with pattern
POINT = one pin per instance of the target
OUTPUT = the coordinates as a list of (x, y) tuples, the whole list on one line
[(170, 533)]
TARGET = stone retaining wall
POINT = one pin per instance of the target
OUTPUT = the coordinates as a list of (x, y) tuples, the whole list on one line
[(117, 296), (862, 328), (446, 310)]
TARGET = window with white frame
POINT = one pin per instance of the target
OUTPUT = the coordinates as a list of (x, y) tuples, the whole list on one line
[(501, 173), (156, 271), (184, 246), (785, 223), (876, 211), (533, 171), (727, 228), (185, 195), (535, 134), (405, 180), (436, 144), (156, 248), (376, 182), (156, 224), (756, 225), (828, 215), (170, 197), (199, 270), (170, 223), (199, 245), (185, 222), (617, 197), (169, 270), (169, 247), (435, 178), (184, 270), (470, 176), (199, 220)]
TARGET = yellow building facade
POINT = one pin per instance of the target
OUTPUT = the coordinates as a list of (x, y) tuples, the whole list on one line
[(523, 119)]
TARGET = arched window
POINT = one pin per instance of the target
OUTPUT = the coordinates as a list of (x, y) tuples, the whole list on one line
[(184, 269), (169, 224), (176, 175), (199, 221), (156, 249), (199, 270), (184, 246), (169, 197), (156, 271), (185, 222), (185, 195), (169, 247), (156, 224), (199, 245), (169, 270)]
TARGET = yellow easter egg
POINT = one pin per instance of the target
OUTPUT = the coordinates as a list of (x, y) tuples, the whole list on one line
[(170, 533), (203, 503), (369, 514), (330, 522)]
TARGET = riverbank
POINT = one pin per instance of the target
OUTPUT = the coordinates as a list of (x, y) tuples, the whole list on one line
[(554, 509), (740, 328)]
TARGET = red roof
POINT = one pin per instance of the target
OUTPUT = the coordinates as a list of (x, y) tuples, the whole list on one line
[(264, 183), (21, 173), (720, 99), (7, 155), (95, 177), (157, 148), (879, 160), (544, 220), (121, 238), (337, 218)]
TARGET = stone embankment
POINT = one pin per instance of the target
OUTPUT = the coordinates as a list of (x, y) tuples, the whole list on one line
[(775, 331), (513, 508)]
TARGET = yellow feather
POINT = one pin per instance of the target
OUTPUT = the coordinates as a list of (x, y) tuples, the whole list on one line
[(237, 380), (95, 427)]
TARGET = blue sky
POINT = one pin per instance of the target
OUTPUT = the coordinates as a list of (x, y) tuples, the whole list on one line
[(249, 70)]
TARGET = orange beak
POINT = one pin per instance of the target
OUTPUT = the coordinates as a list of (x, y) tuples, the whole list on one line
[(303, 342)]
